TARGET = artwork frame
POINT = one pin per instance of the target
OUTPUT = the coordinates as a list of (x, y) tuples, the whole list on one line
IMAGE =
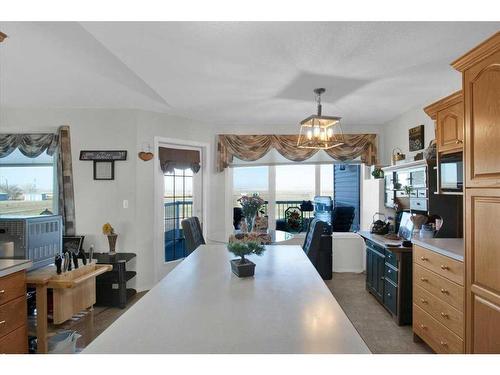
[(416, 138), (104, 170)]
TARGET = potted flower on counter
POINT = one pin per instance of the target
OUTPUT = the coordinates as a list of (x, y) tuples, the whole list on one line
[(109, 231), (250, 206), (243, 267)]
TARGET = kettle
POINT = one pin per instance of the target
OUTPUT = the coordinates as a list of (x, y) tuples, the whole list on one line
[(379, 226)]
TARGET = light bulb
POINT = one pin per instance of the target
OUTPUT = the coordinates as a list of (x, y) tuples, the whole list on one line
[(329, 132), (309, 134), (316, 131)]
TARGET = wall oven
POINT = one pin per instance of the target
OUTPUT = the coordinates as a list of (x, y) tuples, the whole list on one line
[(451, 172)]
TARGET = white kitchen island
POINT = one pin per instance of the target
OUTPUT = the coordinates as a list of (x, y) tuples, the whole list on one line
[(202, 307)]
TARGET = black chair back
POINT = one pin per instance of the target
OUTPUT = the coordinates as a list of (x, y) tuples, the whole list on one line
[(192, 233), (342, 218), (312, 242)]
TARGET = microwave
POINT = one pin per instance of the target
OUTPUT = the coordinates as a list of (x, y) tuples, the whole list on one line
[(451, 172)]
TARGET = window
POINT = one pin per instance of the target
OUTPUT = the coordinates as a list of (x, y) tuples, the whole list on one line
[(249, 180), (326, 181), (27, 185), (294, 184), (178, 205)]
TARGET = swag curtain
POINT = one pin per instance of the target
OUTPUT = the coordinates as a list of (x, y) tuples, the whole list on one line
[(59, 144), (253, 147)]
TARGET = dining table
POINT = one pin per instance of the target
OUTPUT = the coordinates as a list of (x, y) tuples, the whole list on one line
[(202, 307)]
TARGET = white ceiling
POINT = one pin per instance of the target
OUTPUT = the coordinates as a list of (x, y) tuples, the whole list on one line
[(235, 73)]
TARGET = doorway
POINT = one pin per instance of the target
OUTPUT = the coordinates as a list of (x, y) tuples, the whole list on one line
[(180, 193)]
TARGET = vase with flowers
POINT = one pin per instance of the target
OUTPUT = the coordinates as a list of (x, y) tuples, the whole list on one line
[(109, 231), (250, 206)]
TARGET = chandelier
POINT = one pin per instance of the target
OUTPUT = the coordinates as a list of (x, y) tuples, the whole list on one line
[(318, 131)]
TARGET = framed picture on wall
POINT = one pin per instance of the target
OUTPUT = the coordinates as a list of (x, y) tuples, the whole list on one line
[(104, 170), (416, 138)]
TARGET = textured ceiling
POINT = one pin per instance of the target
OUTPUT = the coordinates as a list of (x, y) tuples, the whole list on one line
[(260, 73)]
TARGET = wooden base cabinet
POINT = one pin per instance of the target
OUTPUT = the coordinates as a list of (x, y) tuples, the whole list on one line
[(438, 300), (483, 265), (13, 314)]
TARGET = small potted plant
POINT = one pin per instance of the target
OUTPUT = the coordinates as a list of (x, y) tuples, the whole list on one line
[(109, 231), (243, 267)]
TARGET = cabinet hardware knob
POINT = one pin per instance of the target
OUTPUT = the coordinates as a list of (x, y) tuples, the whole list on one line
[(388, 294), (2, 322), (422, 326), (444, 315), (444, 343), (389, 271), (424, 258), (423, 279), (2, 291), (443, 267), (444, 291), (459, 141), (423, 300), (381, 277)]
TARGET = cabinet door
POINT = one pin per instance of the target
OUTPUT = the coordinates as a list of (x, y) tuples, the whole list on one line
[(482, 274), (482, 122), (369, 271), (379, 274), (450, 128)]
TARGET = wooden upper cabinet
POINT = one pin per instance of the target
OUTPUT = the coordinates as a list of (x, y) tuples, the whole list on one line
[(481, 89), (448, 113)]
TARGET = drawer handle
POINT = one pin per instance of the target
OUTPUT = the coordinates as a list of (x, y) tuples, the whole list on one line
[(2, 322), (381, 277), (389, 271), (389, 295), (444, 291), (423, 279), (2, 291), (444, 343), (422, 326), (459, 141), (424, 258), (445, 315), (423, 300), (445, 268)]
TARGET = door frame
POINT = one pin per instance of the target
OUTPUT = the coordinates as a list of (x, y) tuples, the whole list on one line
[(161, 267)]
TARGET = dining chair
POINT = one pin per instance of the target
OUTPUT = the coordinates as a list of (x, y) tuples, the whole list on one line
[(312, 242), (192, 233)]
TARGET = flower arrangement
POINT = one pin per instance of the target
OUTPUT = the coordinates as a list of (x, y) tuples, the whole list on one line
[(250, 206), (108, 230)]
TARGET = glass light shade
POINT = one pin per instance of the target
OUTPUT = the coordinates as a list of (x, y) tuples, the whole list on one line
[(320, 132)]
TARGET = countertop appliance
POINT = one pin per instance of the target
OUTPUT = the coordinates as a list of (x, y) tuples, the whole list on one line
[(38, 238), (451, 172)]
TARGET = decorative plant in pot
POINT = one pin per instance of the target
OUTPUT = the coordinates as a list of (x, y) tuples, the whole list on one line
[(109, 231), (250, 206), (243, 267)]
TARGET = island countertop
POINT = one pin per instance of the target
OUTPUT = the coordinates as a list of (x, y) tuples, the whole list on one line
[(8, 266), (450, 247), (201, 307)]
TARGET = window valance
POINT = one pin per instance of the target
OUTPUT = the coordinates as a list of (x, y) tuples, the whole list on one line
[(172, 158), (254, 147), (30, 145)]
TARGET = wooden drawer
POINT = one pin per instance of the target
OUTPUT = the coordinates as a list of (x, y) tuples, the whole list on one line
[(436, 335), (391, 274), (15, 342), (439, 310), (12, 315), (450, 268), (12, 286), (390, 258), (440, 287)]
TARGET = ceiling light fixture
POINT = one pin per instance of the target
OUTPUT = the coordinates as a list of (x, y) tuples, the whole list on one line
[(318, 131)]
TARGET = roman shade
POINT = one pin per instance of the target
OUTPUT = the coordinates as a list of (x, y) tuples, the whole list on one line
[(173, 158), (254, 147)]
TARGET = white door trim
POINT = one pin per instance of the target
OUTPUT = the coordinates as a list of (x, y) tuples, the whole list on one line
[(158, 241)]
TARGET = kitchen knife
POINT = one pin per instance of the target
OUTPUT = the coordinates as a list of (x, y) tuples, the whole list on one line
[(82, 256), (58, 263), (75, 260), (68, 254), (65, 262), (91, 253)]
